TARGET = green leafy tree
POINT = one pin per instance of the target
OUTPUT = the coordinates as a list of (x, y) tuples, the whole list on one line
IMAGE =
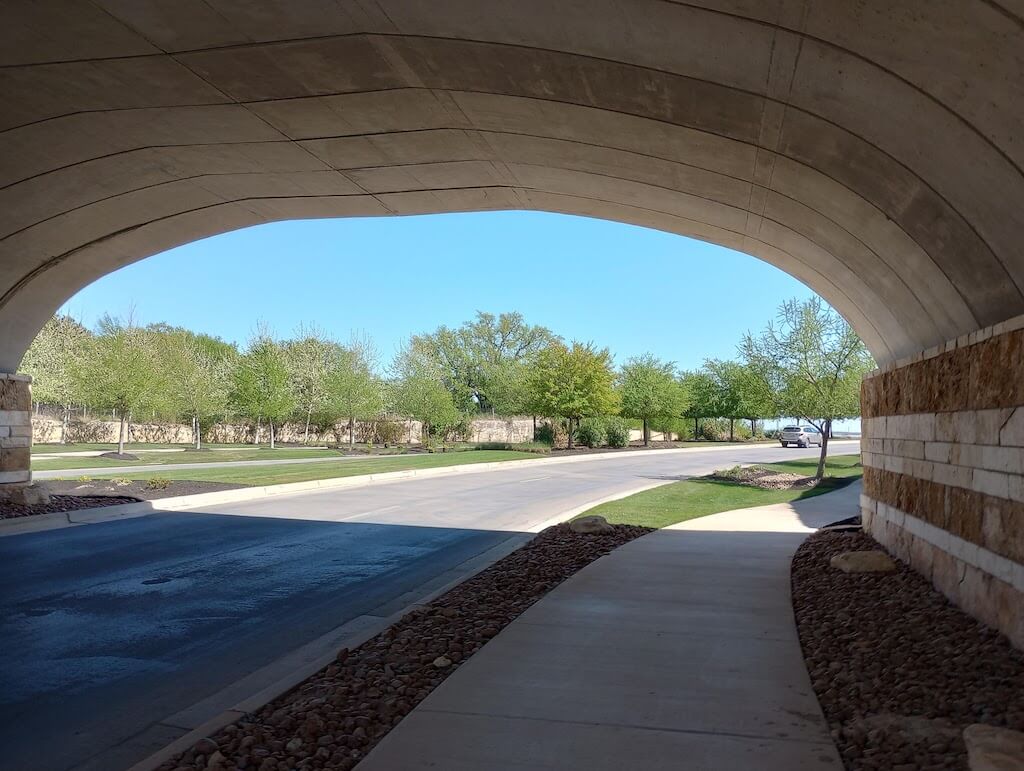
[(419, 391), (738, 393), (119, 371), (196, 378), (650, 391), (572, 382), (813, 361), (353, 391), (53, 360), (701, 401), (481, 360), (262, 388), (309, 358)]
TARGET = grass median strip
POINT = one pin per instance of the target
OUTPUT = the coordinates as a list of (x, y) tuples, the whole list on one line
[(701, 496), (307, 472), (163, 458)]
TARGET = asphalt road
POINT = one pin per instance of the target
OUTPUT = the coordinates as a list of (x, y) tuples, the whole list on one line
[(118, 637)]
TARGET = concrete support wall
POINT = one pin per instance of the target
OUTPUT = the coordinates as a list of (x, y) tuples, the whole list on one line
[(943, 458), (15, 429)]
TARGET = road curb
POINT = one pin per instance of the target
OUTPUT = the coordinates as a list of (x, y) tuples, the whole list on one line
[(102, 514)]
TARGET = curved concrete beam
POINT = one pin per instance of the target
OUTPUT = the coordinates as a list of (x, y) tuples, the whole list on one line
[(873, 152)]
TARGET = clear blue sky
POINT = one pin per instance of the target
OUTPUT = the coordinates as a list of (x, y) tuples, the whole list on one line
[(632, 289)]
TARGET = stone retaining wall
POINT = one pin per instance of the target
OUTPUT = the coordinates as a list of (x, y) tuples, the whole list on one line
[(47, 430), (943, 452)]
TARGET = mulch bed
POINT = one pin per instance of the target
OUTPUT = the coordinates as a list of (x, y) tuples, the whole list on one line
[(72, 495), (898, 670), (334, 718)]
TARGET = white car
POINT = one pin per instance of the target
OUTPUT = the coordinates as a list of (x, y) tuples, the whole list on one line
[(801, 436)]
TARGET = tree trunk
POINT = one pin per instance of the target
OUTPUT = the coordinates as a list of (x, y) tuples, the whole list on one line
[(696, 428), (568, 440), (121, 433), (647, 434), (825, 434), (196, 434), (271, 424), (309, 415), (351, 431), (732, 427), (256, 434), (753, 427), (64, 424), (534, 437)]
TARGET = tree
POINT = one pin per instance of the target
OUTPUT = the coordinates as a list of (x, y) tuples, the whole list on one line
[(701, 403), (261, 388), (573, 383), (309, 358), (197, 377), (353, 392), (737, 393), (480, 360), (419, 391), (118, 371), (53, 360), (813, 361), (649, 391)]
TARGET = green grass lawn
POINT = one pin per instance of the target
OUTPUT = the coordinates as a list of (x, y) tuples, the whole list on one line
[(155, 458), (692, 498), (44, 449), (305, 472)]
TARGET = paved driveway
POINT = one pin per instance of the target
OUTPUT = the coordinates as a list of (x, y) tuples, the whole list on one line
[(119, 637)]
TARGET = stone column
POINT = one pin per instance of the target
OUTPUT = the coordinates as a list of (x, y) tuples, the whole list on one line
[(16, 440)]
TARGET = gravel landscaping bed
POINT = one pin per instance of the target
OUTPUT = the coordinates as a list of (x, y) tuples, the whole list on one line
[(766, 478), (63, 503), (72, 495), (898, 670), (335, 717)]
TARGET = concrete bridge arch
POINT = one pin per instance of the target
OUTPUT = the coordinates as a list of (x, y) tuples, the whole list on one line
[(873, 150)]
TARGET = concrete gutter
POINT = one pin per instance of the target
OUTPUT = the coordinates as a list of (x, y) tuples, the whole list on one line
[(59, 520)]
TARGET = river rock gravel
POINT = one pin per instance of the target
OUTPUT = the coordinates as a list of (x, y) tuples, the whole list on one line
[(63, 503), (334, 718), (898, 670)]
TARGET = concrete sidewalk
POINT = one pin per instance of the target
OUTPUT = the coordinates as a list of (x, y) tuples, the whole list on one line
[(678, 650)]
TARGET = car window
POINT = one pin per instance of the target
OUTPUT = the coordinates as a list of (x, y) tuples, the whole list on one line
[(810, 429), (791, 428)]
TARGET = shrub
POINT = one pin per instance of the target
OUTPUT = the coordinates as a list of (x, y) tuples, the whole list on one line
[(711, 430), (389, 432), (546, 434), (591, 432), (538, 448), (617, 432), (158, 483)]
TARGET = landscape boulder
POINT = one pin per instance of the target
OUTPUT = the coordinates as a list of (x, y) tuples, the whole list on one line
[(994, 749), (872, 561), (24, 495), (591, 524)]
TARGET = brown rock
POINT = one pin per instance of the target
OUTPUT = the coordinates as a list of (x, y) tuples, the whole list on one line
[(863, 562), (994, 749), (590, 524)]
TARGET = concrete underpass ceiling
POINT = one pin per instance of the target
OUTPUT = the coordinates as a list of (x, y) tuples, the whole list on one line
[(873, 152)]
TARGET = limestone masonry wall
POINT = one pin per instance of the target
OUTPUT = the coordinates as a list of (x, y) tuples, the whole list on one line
[(15, 428), (943, 453), (47, 430)]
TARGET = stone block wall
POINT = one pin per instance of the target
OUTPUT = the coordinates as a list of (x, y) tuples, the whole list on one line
[(15, 428), (943, 454)]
